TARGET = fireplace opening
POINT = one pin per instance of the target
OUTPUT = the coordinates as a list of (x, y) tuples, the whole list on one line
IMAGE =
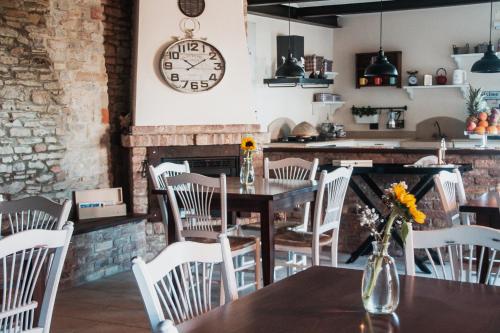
[(210, 166)]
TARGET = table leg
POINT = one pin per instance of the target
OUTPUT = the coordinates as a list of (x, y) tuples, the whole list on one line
[(171, 230), (267, 239), (485, 221)]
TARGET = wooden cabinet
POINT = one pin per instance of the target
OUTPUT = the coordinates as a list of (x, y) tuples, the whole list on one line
[(364, 59)]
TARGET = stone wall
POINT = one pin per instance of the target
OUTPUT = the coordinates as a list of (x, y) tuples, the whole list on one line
[(53, 97), (485, 175), (94, 255)]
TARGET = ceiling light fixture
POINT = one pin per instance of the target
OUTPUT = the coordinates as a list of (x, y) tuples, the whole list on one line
[(381, 66), (489, 63)]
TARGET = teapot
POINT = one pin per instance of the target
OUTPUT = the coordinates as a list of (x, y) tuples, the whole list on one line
[(441, 76)]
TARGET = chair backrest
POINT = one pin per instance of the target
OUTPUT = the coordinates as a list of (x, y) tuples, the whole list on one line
[(331, 193), (28, 257), (451, 192), (195, 193), (34, 213), (157, 174), (179, 282), (290, 168), (458, 252), (427, 161)]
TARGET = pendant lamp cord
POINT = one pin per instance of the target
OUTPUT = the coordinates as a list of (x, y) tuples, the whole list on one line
[(289, 24), (491, 18), (381, 26)]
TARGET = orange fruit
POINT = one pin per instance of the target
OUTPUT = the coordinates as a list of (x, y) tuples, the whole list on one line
[(498, 128), (483, 123), (492, 130), (480, 130), (483, 116)]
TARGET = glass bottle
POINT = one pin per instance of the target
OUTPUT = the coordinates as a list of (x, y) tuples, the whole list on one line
[(247, 173)]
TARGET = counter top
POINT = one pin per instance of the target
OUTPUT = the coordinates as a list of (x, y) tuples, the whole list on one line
[(388, 145)]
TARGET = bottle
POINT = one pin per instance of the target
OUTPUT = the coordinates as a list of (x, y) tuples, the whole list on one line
[(442, 152)]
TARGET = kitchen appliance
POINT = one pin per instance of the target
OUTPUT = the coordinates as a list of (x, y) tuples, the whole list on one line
[(395, 119), (330, 131), (427, 80), (459, 76), (441, 78)]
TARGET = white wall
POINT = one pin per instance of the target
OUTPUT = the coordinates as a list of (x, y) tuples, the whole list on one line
[(156, 103), (293, 103), (426, 38)]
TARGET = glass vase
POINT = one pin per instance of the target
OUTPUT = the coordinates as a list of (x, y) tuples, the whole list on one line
[(380, 286), (247, 173)]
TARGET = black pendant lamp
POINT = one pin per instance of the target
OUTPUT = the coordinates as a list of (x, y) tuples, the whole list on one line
[(291, 67), (489, 63), (381, 66)]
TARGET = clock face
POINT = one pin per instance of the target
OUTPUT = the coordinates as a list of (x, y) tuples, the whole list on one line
[(192, 65), (412, 80)]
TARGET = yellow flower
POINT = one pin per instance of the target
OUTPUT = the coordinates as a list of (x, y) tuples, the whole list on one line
[(417, 215), (408, 200), (399, 191), (248, 144)]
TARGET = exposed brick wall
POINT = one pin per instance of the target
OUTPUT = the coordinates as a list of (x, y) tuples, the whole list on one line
[(486, 174)]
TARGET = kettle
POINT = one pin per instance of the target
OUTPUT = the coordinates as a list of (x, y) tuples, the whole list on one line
[(459, 76), (441, 76)]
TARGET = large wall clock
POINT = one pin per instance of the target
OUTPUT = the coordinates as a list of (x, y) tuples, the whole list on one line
[(192, 65)]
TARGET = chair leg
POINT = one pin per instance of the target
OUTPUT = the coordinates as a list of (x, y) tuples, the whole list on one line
[(257, 266), (291, 259), (334, 248)]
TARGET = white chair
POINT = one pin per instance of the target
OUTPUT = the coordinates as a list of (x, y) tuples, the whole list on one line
[(427, 161), (451, 192), (178, 283), (34, 213), (195, 193), (294, 169), (455, 248), (24, 258), (332, 189), (157, 174)]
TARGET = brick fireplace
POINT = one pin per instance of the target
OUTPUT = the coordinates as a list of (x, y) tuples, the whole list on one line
[(151, 144)]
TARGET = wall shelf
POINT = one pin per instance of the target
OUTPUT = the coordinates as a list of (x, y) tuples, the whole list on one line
[(332, 106), (461, 59), (411, 89)]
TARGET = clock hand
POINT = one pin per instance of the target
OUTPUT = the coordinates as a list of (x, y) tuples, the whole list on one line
[(193, 66), (190, 64)]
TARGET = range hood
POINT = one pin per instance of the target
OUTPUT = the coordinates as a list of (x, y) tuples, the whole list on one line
[(298, 81)]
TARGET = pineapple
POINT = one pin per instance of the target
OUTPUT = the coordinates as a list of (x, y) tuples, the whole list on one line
[(475, 102)]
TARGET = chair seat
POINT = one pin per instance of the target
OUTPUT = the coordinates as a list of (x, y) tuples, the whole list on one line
[(278, 225), (235, 242), (299, 239)]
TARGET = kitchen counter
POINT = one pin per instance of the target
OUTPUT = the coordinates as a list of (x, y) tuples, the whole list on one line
[(461, 146)]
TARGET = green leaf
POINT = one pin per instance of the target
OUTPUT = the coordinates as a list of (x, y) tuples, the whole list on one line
[(404, 231)]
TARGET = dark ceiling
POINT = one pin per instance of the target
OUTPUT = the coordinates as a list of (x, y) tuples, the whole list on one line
[(327, 15)]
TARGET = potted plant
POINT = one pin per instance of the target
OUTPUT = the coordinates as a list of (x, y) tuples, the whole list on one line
[(365, 115)]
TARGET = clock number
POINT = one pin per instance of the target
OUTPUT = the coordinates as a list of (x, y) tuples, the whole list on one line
[(181, 48), (173, 55), (167, 65), (204, 84), (174, 77), (194, 85), (185, 83), (218, 66), (213, 77), (193, 47), (213, 56)]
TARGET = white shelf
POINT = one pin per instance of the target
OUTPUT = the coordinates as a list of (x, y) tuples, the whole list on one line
[(332, 106), (411, 89), (460, 59)]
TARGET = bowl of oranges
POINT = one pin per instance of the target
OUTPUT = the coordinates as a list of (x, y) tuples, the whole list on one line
[(484, 123)]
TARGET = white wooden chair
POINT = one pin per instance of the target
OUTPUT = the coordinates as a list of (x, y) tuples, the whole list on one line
[(451, 192), (24, 256), (294, 169), (34, 213), (157, 174), (456, 248), (195, 193), (427, 161), (178, 283), (326, 221)]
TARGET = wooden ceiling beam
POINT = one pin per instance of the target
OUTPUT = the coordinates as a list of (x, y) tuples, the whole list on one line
[(257, 3), (371, 7), (281, 12)]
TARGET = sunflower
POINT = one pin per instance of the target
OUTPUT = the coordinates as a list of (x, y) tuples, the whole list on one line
[(399, 191), (417, 215), (248, 144), (408, 200)]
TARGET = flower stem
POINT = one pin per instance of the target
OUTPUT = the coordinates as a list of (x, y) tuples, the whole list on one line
[(380, 256)]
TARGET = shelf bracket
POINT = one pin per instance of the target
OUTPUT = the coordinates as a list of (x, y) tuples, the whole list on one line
[(410, 91)]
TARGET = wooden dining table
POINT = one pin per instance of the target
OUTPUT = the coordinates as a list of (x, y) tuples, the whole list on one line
[(266, 197), (487, 210), (326, 300)]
